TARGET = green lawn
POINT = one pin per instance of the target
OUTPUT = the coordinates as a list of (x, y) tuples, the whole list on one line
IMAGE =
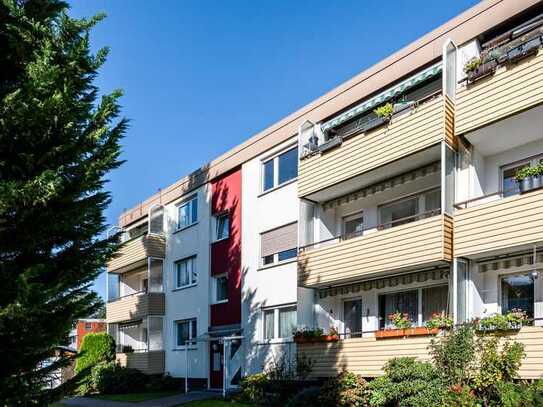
[(214, 403), (135, 397)]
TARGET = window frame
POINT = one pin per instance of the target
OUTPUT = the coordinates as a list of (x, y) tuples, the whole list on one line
[(218, 217), (503, 276), (276, 261), (191, 283), (276, 322), (348, 218), (420, 306), (190, 202), (189, 343), (215, 288), (275, 159)]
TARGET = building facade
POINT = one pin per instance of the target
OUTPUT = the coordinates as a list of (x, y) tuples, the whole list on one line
[(395, 192)]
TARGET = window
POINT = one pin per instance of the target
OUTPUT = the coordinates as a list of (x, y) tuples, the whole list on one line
[(410, 209), (419, 304), (185, 272), (279, 244), (280, 169), (88, 326), (221, 288), (518, 293), (353, 226), (187, 213), (279, 322), (352, 318), (185, 331), (222, 226)]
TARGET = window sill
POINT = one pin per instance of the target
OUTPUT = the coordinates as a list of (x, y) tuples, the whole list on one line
[(185, 348), (184, 228), (184, 287), (279, 263), (219, 302), (284, 184), (220, 240), (275, 341)]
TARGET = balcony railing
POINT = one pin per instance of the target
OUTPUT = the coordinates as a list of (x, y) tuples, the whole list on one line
[(134, 253), (497, 224), (134, 306), (426, 241), (367, 355)]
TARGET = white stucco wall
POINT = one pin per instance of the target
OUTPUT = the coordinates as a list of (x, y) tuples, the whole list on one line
[(270, 286), (190, 302)]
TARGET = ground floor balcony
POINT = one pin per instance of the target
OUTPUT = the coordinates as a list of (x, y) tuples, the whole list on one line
[(367, 355), (149, 362)]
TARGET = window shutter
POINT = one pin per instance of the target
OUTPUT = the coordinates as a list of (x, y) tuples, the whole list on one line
[(279, 239)]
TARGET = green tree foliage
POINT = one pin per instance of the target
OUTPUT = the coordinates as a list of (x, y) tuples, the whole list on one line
[(58, 143), (95, 348)]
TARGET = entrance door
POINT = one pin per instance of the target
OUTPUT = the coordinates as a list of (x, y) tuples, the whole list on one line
[(216, 351), (352, 316)]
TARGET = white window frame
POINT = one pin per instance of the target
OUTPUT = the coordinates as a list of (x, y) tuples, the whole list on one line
[(276, 324), (218, 217), (420, 198), (176, 330), (352, 216), (192, 275), (190, 202), (275, 158), (276, 260), (215, 285)]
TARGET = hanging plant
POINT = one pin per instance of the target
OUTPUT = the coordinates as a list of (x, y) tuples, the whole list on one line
[(472, 64), (385, 111)]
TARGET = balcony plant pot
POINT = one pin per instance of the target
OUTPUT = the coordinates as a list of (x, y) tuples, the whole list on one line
[(374, 123), (401, 333), (524, 50), (537, 181), (483, 70), (332, 143), (315, 339), (525, 184)]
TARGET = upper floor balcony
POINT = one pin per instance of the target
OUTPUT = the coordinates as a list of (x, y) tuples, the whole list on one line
[(363, 139), (496, 214), (388, 226), (134, 253), (504, 77)]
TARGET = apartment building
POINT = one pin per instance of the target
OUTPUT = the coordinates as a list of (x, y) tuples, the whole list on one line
[(338, 216)]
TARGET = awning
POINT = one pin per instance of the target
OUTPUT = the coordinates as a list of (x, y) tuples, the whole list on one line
[(383, 96), (385, 185), (441, 274), (510, 262)]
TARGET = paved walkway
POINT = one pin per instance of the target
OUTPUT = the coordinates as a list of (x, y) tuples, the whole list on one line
[(169, 401)]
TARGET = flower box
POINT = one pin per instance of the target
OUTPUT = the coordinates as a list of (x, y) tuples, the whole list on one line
[(400, 333), (482, 71), (529, 183), (316, 339)]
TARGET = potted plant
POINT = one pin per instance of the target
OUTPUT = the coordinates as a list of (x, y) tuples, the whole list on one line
[(512, 321), (315, 335), (439, 321), (477, 68), (530, 178), (385, 111), (401, 323)]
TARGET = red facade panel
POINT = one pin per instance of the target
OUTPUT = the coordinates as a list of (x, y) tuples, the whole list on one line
[(226, 254), (85, 327)]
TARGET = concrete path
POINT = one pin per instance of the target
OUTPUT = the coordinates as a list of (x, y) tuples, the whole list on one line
[(169, 401)]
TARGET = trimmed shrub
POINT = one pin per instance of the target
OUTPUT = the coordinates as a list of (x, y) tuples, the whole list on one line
[(96, 348), (307, 397), (345, 390), (252, 388), (111, 378), (408, 382), (164, 383)]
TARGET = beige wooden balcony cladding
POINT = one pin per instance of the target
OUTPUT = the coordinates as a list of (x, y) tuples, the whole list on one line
[(134, 253), (367, 356), (135, 307), (510, 90), (405, 135), (501, 224), (151, 362), (424, 242)]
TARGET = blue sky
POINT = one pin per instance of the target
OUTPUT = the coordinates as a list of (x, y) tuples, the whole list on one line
[(200, 77)]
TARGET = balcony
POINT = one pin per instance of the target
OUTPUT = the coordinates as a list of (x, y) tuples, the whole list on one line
[(511, 89), (135, 306), (496, 224), (407, 133), (367, 356), (425, 241), (134, 253), (149, 362)]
